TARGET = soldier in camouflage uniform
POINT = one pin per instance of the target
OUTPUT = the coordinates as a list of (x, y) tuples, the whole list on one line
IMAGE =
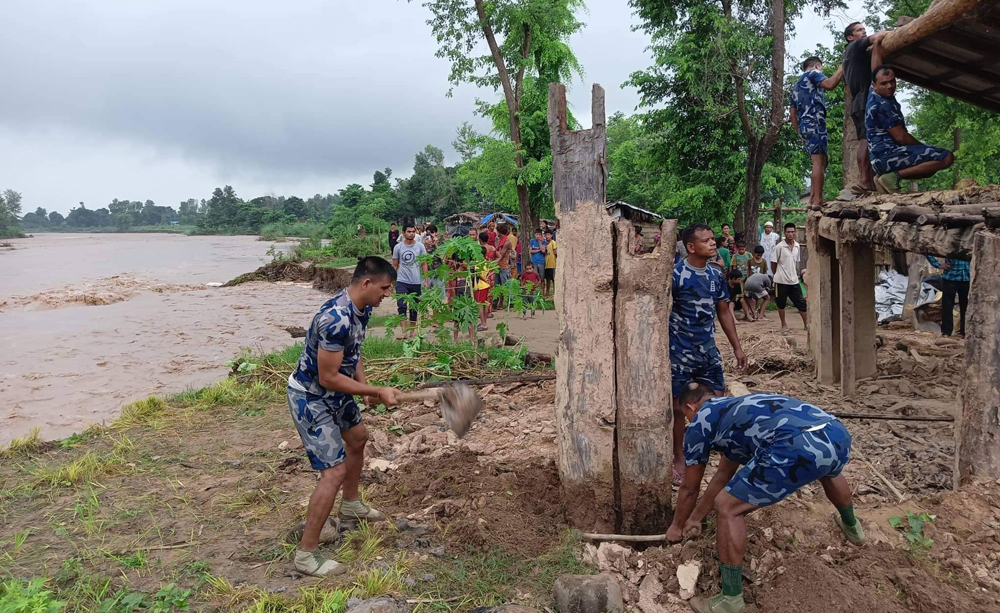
[(699, 292), (770, 446), (321, 394), (894, 153), (808, 115)]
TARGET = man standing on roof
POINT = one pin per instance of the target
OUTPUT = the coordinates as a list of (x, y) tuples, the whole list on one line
[(808, 115), (857, 71)]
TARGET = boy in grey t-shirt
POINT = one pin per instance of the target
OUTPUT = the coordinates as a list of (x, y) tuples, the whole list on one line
[(408, 273), (755, 291)]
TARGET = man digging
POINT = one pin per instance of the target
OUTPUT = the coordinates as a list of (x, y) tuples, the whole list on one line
[(321, 394), (770, 446)]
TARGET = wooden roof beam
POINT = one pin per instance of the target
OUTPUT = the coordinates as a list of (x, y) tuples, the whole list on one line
[(947, 90), (941, 14)]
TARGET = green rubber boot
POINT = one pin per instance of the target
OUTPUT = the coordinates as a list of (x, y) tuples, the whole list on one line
[(719, 603), (855, 533)]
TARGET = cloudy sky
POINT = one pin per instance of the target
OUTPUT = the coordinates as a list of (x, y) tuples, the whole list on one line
[(167, 99)]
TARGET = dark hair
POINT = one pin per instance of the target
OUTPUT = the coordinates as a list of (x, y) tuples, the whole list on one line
[(392, 224), (432, 228), (735, 274), (740, 244), (810, 61), (503, 229), (727, 225), (373, 267), (548, 231), (638, 230), (790, 225), (484, 237), (408, 225), (880, 69), (538, 230), (850, 28), (719, 240), (694, 392), (758, 249), (688, 234)]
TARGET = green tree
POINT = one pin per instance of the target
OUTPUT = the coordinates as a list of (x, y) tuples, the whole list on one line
[(732, 59), (56, 219), (522, 37), (10, 211)]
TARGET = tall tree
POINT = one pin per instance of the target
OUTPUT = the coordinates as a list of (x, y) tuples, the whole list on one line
[(10, 211), (744, 70), (522, 36)]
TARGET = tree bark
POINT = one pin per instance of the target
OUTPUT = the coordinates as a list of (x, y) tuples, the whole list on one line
[(585, 364), (978, 430), (642, 373)]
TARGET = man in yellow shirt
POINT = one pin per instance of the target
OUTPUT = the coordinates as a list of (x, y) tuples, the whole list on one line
[(550, 263)]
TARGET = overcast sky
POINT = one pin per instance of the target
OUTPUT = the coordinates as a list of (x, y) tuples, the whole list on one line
[(167, 99)]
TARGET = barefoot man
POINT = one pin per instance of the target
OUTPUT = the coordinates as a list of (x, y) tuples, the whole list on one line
[(321, 399), (770, 446), (699, 292)]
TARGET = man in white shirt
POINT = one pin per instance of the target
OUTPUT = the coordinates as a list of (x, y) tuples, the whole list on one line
[(769, 240), (784, 265)]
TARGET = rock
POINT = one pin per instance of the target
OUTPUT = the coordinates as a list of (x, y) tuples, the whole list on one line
[(283, 445), (587, 594), (296, 331), (382, 604), (768, 534), (409, 581), (428, 578), (826, 558), (649, 591), (687, 577), (874, 534), (382, 465), (437, 552), (611, 557), (589, 555)]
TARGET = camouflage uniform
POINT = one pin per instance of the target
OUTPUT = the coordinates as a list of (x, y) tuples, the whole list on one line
[(782, 444), (809, 101), (320, 415), (886, 154), (693, 354)]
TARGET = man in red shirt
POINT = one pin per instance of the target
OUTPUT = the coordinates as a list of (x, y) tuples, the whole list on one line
[(491, 232), (530, 282)]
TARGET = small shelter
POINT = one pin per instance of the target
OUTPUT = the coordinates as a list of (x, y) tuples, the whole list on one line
[(459, 223), (648, 221), (499, 218)]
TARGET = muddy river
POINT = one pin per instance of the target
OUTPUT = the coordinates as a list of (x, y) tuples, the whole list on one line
[(91, 321)]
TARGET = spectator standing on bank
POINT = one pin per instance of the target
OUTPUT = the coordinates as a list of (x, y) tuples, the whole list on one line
[(956, 279), (786, 276), (408, 273), (393, 236), (550, 263), (537, 246), (769, 240)]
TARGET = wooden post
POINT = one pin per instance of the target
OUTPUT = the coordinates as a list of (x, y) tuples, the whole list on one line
[(642, 350), (778, 226), (585, 364), (823, 298), (848, 379), (978, 427)]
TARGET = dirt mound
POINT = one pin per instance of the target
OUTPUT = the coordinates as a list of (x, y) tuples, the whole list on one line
[(517, 507), (282, 270), (331, 279), (109, 290)]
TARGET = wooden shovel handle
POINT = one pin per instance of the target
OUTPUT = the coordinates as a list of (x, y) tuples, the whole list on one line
[(419, 396)]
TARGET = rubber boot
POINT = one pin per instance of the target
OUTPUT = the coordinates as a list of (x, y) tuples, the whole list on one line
[(718, 604)]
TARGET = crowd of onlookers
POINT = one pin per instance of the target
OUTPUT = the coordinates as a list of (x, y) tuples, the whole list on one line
[(500, 245)]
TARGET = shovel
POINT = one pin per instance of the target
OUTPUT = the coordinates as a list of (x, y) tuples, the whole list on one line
[(459, 405)]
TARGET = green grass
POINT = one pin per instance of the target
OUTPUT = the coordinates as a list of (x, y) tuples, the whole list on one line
[(141, 412), (27, 445), (18, 596)]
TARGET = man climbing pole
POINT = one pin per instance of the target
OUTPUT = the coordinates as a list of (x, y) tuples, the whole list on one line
[(771, 446)]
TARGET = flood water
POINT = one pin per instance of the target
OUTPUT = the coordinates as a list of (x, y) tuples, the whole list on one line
[(91, 321)]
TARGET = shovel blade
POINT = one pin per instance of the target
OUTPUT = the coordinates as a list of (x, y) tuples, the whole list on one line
[(459, 406)]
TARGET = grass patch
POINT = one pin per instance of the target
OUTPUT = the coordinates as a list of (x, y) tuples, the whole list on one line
[(29, 444), (378, 581), (361, 545), (18, 596), (141, 412), (231, 391), (86, 468)]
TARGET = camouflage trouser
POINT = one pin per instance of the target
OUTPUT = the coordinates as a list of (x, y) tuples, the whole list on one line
[(777, 471), (815, 141), (320, 422), (894, 159), (702, 368)]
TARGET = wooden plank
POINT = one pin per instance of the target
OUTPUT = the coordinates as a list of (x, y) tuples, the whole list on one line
[(848, 380), (940, 15), (926, 240), (642, 350), (933, 85), (585, 364), (978, 428)]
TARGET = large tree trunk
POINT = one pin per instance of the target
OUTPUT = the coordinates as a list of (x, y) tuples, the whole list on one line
[(525, 222), (750, 206)]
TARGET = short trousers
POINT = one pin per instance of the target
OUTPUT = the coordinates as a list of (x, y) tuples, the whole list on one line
[(777, 471), (790, 292), (905, 156), (816, 143), (503, 275), (482, 295), (758, 295), (858, 117), (320, 422), (550, 274), (407, 288), (707, 371), (737, 301), (518, 264), (528, 299)]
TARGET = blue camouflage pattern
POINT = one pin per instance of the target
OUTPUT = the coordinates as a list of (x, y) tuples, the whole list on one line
[(320, 422), (886, 154), (693, 354), (319, 414), (782, 444), (809, 100), (338, 326)]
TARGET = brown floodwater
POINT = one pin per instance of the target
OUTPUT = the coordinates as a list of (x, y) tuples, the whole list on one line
[(89, 322)]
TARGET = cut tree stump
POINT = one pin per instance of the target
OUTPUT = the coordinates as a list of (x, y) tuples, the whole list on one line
[(585, 362), (978, 429), (642, 350)]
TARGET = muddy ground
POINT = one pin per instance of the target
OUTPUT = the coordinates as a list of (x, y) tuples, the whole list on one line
[(207, 488)]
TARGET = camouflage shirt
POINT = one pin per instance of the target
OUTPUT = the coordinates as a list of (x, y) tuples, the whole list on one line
[(338, 326), (696, 291), (740, 427), (809, 101)]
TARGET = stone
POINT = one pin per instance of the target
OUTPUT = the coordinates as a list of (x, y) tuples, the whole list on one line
[(649, 591), (588, 594), (687, 577), (612, 557), (409, 581), (427, 578), (826, 558), (375, 605), (382, 465), (283, 445), (437, 552)]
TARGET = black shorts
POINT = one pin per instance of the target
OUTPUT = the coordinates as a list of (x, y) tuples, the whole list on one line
[(550, 274), (407, 288), (790, 292), (858, 117)]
